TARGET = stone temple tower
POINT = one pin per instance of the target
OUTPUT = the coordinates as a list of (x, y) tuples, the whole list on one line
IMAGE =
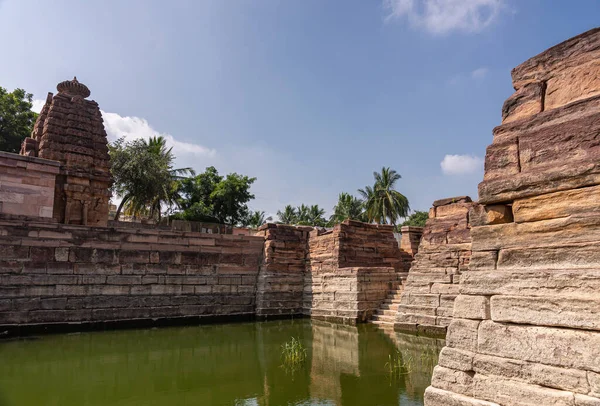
[(69, 129)]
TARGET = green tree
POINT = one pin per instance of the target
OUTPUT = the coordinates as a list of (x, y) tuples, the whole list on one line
[(230, 197), (316, 216), (257, 219), (16, 118), (302, 215), (348, 207), (144, 176), (288, 215), (417, 219), (382, 202), (213, 198)]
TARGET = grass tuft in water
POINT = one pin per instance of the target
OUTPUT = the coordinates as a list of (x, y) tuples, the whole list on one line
[(293, 355), (398, 365), (293, 352)]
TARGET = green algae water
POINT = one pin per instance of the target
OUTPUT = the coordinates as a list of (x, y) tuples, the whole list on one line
[(226, 364)]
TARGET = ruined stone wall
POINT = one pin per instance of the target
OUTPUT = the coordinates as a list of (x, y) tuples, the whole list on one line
[(409, 245), (56, 273), (350, 271), (526, 328), (27, 185), (432, 285), (281, 277)]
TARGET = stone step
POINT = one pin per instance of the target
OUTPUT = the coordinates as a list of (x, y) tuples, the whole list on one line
[(387, 312), (389, 306), (382, 323), (381, 317)]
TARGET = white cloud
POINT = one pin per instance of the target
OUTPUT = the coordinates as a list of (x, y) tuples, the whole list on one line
[(479, 73), (461, 164), (444, 16), (37, 105), (133, 128)]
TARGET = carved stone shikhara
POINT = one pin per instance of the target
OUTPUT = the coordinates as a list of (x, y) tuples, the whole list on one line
[(526, 324), (70, 130)]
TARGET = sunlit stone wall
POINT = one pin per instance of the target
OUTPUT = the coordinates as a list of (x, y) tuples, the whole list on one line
[(427, 300), (526, 327)]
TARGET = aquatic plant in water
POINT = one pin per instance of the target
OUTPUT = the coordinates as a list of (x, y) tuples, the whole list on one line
[(398, 365), (293, 355)]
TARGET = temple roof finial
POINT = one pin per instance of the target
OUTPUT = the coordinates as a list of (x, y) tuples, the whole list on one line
[(74, 88)]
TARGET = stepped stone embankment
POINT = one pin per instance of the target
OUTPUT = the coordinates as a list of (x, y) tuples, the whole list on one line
[(526, 323), (432, 285)]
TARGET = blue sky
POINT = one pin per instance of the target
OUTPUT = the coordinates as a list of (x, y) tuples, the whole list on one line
[(309, 96)]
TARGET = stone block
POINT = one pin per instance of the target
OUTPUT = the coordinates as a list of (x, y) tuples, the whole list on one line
[(440, 397), (505, 391), (453, 380), (583, 400), (462, 334), (557, 205), (552, 346), (579, 313), (456, 359), (472, 307), (539, 374), (576, 283)]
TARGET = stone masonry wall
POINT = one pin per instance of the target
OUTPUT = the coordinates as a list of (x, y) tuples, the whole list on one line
[(27, 185), (56, 273), (350, 271), (281, 277), (526, 327), (432, 284), (409, 245)]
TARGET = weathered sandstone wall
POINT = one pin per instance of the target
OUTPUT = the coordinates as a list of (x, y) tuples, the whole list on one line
[(27, 185), (350, 271), (526, 327), (282, 272), (432, 284), (56, 273), (409, 245)]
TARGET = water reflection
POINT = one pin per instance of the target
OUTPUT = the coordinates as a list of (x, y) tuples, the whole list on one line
[(232, 364)]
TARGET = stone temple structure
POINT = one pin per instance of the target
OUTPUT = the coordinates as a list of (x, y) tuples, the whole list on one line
[(526, 322), (69, 130)]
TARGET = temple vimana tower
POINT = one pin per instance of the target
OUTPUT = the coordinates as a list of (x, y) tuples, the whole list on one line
[(69, 130)]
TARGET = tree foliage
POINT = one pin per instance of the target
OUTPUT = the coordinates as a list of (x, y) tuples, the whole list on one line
[(383, 203), (211, 197), (303, 215), (348, 207), (16, 118), (144, 176), (417, 219), (256, 219)]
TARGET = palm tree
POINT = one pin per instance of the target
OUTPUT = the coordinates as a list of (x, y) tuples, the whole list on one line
[(348, 207), (258, 218), (315, 216), (144, 176), (288, 215), (303, 215), (382, 202)]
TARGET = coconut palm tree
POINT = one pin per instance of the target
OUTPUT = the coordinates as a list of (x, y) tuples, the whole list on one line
[(348, 207), (288, 215), (258, 218), (316, 216), (382, 202), (145, 177)]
